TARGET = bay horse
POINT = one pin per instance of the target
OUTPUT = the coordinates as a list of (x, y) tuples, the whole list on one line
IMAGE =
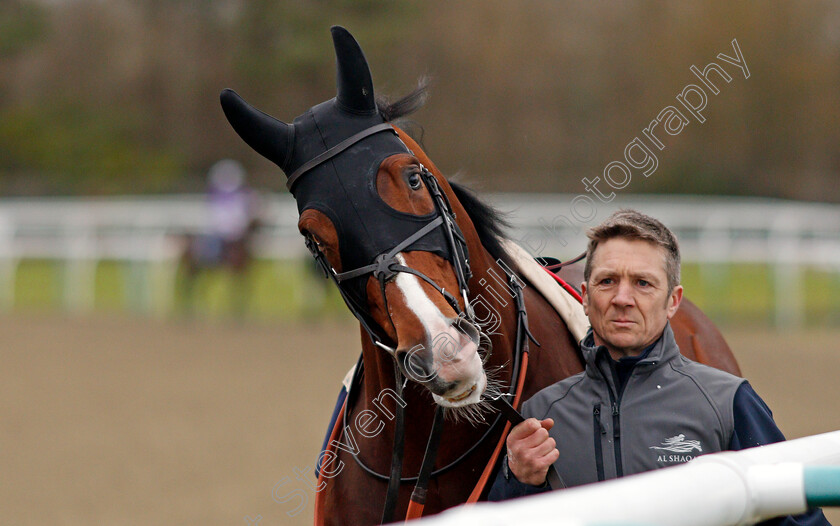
[(202, 253), (422, 263)]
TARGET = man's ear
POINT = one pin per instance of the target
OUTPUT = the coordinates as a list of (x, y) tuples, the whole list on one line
[(674, 300), (585, 298)]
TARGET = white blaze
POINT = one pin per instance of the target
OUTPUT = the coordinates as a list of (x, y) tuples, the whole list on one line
[(463, 366)]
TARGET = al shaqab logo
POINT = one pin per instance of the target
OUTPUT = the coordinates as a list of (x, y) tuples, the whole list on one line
[(678, 444)]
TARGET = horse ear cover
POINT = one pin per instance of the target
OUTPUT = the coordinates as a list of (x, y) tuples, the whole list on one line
[(274, 139), (270, 137), (353, 80)]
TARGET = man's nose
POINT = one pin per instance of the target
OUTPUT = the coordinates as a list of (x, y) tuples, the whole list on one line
[(624, 294)]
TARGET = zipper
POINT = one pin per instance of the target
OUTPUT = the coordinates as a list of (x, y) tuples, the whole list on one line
[(616, 421), (599, 430), (619, 469)]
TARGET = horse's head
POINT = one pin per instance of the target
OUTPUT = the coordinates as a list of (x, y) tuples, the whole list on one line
[(380, 224)]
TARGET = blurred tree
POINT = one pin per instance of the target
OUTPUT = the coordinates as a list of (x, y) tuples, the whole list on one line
[(122, 96), (22, 24)]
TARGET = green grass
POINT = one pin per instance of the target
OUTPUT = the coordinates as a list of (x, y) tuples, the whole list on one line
[(729, 294), (37, 285), (270, 290), (746, 294)]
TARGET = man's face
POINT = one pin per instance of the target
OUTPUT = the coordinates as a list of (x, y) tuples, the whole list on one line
[(626, 297)]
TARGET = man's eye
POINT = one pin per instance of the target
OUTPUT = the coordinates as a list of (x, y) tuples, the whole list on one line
[(414, 181), (607, 281), (643, 283)]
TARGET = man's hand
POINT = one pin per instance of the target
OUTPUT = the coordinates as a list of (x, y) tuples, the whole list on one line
[(530, 450)]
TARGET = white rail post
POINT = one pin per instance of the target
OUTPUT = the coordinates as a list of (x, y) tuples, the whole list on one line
[(788, 297), (720, 489), (8, 263), (715, 253), (140, 288), (163, 268), (80, 267)]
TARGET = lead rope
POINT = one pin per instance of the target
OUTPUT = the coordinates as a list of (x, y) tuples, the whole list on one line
[(514, 417), (491, 464)]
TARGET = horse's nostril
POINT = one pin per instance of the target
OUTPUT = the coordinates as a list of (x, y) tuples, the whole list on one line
[(415, 367), (467, 328)]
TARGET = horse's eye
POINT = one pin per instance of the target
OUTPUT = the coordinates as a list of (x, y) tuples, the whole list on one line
[(414, 181), (315, 241)]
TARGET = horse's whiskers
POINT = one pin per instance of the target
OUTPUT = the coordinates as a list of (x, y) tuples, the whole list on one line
[(476, 414), (485, 346)]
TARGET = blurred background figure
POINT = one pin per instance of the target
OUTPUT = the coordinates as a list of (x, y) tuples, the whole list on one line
[(233, 210), (232, 206)]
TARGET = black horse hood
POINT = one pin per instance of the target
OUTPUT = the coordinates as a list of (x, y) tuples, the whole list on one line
[(344, 186)]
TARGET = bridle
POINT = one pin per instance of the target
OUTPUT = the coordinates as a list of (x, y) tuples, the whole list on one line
[(384, 268)]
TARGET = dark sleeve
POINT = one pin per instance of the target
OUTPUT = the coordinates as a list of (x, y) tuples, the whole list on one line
[(754, 426), (507, 486)]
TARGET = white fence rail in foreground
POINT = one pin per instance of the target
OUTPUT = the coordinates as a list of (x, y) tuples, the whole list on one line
[(144, 232), (720, 489)]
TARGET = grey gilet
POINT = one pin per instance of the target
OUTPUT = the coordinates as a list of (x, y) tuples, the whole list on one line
[(670, 410)]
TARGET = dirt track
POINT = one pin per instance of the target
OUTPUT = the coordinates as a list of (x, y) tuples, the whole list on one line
[(129, 421)]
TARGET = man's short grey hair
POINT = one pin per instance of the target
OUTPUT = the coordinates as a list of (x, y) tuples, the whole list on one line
[(630, 224)]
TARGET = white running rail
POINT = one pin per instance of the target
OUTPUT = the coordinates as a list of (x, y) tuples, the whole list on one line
[(145, 232), (720, 489)]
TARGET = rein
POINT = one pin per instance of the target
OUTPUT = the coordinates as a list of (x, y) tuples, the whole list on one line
[(557, 266)]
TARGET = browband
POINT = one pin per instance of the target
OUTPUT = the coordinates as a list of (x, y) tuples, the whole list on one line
[(337, 149)]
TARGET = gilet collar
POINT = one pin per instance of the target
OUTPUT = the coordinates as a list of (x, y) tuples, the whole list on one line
[(664, 350)]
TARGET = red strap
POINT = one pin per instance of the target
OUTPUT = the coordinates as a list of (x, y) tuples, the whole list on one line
[(415, 510), (571, 290)]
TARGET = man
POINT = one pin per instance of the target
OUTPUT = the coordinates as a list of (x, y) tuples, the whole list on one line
[(639, 405)]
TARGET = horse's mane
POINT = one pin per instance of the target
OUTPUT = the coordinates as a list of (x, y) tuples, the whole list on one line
[(490, 223)]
